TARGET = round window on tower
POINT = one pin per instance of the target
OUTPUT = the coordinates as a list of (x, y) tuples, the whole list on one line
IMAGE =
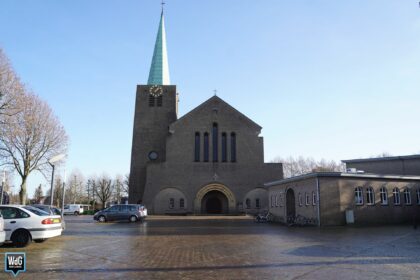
[(153, 155)]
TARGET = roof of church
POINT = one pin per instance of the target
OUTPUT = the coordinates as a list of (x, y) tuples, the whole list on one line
[(159, 69), (212, 99)]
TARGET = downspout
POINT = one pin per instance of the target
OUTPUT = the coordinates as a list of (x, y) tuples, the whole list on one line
[(318, 201)]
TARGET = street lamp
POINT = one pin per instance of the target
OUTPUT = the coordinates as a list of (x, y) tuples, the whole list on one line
[(51, 161), (64, 192), (2, 187)]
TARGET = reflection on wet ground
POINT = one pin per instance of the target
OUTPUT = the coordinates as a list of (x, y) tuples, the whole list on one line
[(221, 248)]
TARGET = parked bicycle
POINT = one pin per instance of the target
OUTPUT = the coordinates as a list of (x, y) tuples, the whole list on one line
[(264, 217)]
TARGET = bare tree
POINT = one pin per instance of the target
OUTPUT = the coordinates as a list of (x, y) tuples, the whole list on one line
[(103, 188), (75, 190), (301, 165), (10, 88), (118, 188), (126, 183), (38, 194), (31, 137)]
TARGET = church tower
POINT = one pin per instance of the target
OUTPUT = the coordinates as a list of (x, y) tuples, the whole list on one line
[(155, 110)]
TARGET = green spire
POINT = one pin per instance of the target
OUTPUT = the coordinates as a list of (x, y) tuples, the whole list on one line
[(159, 70)]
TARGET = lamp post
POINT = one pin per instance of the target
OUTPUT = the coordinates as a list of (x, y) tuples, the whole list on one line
[(51, 161), (2, 186), (64, 192)]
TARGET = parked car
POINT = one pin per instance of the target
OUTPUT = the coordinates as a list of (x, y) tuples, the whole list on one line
[(128, 212), (2, 232), (52, 210), (26, 223), (73, 209)]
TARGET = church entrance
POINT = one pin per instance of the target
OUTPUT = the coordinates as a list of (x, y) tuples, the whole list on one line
[(290, 205), (214, 202)]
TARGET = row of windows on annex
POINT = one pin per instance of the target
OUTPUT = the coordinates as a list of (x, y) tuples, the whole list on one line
[(181, 203), (383, 194), (277, 200), (155, 101), (215, 145)]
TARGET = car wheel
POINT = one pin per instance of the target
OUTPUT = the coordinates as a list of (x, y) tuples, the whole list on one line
[(21, 238), (133, 219), (76, 213), (102, 219), (40, 240)]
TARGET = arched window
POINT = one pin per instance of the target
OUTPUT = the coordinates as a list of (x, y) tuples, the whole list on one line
[(215, 143), (358, 196), (306, 199), (277, 200), (233, 147), (171, 203), (257, 203), (197, 147), (206, 147), (396, 193), (384, 196), (313, 198), (370, 196), (224, 147), (248, 203), (181, 203), (151, 101), (272, 200), (418, 196), (300, 199), (407, 196)]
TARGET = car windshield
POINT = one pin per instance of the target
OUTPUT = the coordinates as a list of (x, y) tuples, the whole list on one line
[(36, 211)]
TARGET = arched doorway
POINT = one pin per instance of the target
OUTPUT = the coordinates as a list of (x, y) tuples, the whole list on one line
[(215, 198), (214, 202), (290, 205)]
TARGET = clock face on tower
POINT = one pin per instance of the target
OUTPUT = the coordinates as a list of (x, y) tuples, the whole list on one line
[(156, 90)]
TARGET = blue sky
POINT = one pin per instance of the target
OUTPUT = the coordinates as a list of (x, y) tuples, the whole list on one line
[(325, 79)]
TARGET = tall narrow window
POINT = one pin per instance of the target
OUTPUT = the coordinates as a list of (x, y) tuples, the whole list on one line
[(277, 200), (181, 203), (197, 147), (418, 196), (313, 198), (151, 101), (257, 203), (206, 147), (407, 196), (358, 196), (396, 193), (384, 196), (370, 196), (171, 203), (224, 147), (159, 100), (215, 136), (272, 200), (300, 199), (233, 147)]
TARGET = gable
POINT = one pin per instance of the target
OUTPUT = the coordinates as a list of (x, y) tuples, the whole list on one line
[(215, 108)]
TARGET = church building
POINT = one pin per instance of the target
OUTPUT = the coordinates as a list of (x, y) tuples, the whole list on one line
[(209, 161)]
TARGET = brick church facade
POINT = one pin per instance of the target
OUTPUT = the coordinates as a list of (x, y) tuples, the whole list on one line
[(209, 161)]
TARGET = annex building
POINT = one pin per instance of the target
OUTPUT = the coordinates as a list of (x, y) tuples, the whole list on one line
[(209, 161)]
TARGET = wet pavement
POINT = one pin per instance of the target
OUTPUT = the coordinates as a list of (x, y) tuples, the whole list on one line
[(220, 248)]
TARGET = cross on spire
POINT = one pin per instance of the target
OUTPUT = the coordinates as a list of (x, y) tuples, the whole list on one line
[(162, 3)]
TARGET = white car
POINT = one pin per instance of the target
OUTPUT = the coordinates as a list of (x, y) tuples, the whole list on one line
[(26, 223), (2, 232), (73, 209)]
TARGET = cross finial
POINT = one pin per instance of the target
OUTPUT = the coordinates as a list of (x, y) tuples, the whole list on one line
[(215, 92), (162, 3)]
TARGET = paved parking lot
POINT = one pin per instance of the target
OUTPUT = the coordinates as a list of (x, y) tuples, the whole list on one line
[(221, 248)]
